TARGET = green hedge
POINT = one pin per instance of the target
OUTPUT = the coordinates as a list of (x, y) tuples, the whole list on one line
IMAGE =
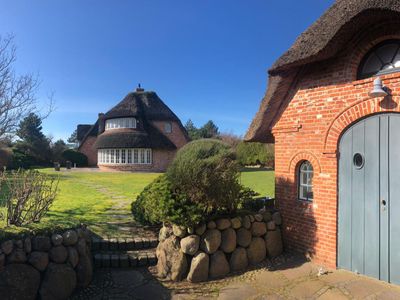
[(75, 157)]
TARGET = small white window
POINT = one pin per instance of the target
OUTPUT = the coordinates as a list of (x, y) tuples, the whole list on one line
[(168, 127), (123, 157), (306, 173), (120, 123)]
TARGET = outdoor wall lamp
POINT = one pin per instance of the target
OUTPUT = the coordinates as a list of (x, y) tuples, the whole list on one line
[(378, 90)]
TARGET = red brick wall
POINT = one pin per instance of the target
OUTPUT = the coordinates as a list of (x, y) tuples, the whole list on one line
[(88, 149), (176, 136), (326, 99)]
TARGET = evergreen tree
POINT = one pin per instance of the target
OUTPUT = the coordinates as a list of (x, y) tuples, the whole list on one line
[(209, 130), (73, 138), (57, 150), (33, 142), (192, 130)]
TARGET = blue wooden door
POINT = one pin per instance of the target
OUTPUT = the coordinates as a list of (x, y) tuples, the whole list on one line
[(369, 198)]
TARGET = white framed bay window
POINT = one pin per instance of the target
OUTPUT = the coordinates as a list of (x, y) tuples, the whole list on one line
[(121, 123), (125, 156)]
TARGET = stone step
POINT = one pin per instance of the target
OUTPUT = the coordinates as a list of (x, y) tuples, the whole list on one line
[(125, 259), (123, 244)]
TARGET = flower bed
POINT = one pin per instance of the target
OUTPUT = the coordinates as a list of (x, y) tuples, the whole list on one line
[(49, 267), (215, 249)]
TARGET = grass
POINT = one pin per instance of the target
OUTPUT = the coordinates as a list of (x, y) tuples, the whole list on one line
[(100, 199)]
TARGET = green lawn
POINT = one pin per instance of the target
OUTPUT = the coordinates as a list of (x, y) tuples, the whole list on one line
[(100, 199)]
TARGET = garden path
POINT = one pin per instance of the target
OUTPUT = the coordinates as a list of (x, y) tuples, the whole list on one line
[(289, 277), (118, 222)]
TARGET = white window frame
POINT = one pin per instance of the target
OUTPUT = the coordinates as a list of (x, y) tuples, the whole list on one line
[(119, 123), (125, 156), (305, 181), (168, 127)]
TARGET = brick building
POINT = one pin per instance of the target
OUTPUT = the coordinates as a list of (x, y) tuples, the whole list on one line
[(337, 138), (139, 134)]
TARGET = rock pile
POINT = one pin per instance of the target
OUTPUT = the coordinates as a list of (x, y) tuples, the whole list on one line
[(214, 249), (49, 267)]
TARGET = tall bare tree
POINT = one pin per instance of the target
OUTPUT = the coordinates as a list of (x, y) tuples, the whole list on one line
[(17, 92)]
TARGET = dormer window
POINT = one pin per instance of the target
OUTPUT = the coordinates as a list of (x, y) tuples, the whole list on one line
[(121, 123), (384, 58)]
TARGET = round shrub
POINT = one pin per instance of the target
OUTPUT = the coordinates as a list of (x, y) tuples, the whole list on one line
[(75, 157), (207, 172), (158, 203)]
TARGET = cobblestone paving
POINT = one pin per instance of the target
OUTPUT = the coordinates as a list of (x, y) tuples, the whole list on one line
[(285, 278)]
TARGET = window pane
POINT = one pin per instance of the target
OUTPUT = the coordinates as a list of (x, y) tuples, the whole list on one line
[(129, 156), (135, 156), (123, 156), (372, 65), (387, 52), (141, 156)]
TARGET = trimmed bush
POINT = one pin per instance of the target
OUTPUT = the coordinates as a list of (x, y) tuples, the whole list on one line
[(250, 154), (159, 203), (75, 157), (206, 171)]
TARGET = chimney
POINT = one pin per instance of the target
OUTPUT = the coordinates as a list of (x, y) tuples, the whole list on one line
[(139, 89), (101, 123)]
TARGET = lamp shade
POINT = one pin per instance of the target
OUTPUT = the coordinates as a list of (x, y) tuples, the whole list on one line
[(378, 90)]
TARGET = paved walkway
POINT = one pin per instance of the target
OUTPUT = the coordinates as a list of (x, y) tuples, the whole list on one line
[(290, 279)]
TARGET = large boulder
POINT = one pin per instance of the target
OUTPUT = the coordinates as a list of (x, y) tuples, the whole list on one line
[(59, 281), (210, 241), (165, 232), (256, 251), (211, 225), (58, 254), (39, 260), (17, 256), (190, 244), (82, 247), (273, 242), (246, 222), (238, 259), (84, 271), (179, 231), (201, 229), (70, 237), (56, 239), (73, 256), (219, 266), (28, 245), (41, 243), (228, 240), (243, 237), (7, 247), (236, 223), (266, 216), (19, 281), (223, 224), (199, 267), (172, 262), (271, 225), (258, 228), (277, 218)]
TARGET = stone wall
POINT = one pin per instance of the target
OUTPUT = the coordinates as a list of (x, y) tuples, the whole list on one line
[(45, 267), (215, 249)]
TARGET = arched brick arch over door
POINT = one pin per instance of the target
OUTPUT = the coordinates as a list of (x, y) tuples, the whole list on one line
[(355, 112)]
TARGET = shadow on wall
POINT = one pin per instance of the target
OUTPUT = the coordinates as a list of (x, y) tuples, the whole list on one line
[(299, 228)]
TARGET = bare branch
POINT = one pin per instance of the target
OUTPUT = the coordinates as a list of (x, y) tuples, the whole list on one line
[(17, 93)]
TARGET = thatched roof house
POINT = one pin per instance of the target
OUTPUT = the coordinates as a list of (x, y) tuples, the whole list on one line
[(139, 133), (336, 130)]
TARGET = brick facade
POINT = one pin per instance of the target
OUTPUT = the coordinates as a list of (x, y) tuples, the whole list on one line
[(88, 149), (325, 100)]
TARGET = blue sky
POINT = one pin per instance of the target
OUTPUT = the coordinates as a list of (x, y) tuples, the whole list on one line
[(207, 59)]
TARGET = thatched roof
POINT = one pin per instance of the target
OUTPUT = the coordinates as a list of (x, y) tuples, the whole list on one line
[(82, 130), (322, 40), (145, 104), (151, 137)]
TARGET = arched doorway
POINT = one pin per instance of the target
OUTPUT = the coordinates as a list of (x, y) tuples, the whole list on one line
[(369, 198)]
